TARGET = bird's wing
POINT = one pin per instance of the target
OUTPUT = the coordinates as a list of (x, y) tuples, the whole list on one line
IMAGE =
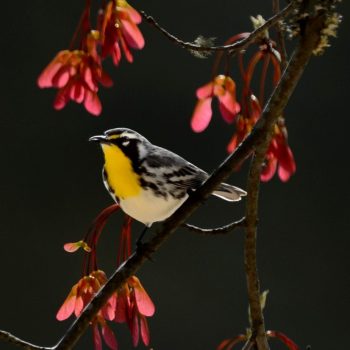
[(184, 176), (175, 169)]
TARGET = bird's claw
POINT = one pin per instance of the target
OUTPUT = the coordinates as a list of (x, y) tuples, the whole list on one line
[(143, 248)]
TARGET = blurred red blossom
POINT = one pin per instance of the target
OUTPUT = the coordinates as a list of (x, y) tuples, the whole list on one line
[(77, 73), (133, 306), (222, 87), (119, 30), (80, 296), (74, 246), (246, 113), (279, 156)]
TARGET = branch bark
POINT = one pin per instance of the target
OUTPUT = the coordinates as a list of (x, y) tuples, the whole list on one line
[(11, 339), (257, 140), (250, 260), (237, 46), (273, 110)]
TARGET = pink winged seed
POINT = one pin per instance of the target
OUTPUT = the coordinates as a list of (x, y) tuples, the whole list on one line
[(205, 91), (132, 35), (68, 305), (202, 115), (145, 335), (109, 337), (228, 106), (144, 303), (97, 338)]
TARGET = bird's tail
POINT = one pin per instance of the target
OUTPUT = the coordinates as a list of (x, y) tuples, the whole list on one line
[(229, 193)]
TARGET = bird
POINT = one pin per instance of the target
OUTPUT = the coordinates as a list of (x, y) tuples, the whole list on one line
[(150, 182)]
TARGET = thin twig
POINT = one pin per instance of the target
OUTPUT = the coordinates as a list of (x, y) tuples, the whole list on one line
[(237, 46), (280, 37), (260, 135), (217, 230), (9, 338), (248, 345)]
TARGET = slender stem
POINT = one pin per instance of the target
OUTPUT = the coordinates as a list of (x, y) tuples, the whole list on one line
[(83, 25), (219, 54), (248, 345), (217, 230), (237, 46), (77, 30), (265, 66)]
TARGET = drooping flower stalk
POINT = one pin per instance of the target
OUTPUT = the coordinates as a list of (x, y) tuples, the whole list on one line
[(130, 304)]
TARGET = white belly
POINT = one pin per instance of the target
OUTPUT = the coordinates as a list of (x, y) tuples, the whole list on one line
[(147, 208)]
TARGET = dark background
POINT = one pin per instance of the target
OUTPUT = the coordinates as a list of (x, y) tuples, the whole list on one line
[(51, 188)]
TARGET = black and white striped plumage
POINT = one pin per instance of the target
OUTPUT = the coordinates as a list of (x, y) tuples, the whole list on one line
[(156, 180)]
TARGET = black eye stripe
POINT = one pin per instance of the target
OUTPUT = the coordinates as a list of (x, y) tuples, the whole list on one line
[(120, 140), (127, 145)]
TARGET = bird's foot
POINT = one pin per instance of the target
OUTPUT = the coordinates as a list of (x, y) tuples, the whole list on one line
[(144, 249), (192, 192)]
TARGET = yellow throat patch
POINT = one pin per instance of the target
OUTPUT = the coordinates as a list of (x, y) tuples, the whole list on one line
[(120, 174)]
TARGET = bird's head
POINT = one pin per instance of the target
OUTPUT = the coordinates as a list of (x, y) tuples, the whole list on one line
[(133, 145)]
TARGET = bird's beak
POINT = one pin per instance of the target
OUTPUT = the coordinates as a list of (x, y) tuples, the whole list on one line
[(98, 138)]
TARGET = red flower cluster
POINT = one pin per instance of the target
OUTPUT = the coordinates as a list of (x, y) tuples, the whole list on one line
[(222, 87), (133, 305), (130, 304), (119, 30), (279, 155), (245, 125), (79, 296), (77, 73)]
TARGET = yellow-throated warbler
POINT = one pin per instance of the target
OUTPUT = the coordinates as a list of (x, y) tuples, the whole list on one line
[(150, 182)]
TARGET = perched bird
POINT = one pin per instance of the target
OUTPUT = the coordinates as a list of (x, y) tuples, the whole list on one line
[(149, 182)]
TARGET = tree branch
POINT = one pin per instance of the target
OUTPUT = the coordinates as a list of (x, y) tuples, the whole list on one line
[(9, 338), (280, 37), (301, 57), (259, 138), (253, 283), (237, 46), (217, 230)]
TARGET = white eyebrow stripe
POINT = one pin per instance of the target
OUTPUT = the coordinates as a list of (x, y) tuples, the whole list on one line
[(129, 135)]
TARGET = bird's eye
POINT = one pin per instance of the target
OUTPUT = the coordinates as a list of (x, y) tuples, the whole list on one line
[(125, 143)]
